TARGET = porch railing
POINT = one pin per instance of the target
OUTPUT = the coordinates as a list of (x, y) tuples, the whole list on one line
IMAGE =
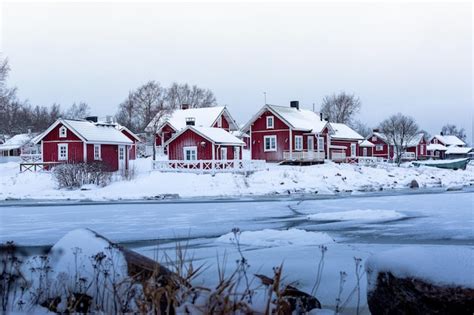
[(338, 156), (209, 166), (31, 157), (304, 156)]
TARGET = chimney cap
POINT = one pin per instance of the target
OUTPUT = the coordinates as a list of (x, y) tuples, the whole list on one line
[(92, 119), (295, 104), (190, 121)]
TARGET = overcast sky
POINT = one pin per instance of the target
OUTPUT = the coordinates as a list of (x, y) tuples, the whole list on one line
[(397, 57)]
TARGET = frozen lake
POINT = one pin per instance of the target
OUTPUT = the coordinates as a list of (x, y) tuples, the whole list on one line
[(360, 226)]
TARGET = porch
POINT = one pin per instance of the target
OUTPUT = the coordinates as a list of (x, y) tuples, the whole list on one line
[(304, 156), (209, 166)]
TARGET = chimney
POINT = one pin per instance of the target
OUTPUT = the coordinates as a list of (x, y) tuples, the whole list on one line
[(184, 106), (190, 121), (441, 133), (376, 130), (92, 119), (108, 119), (321, 116), (295, 104)]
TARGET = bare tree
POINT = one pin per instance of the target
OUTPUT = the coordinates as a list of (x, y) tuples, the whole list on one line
[(127, 114), (361, 128), (78, 111), (196, 97), (399, 130), (451, 129), (340, 108)]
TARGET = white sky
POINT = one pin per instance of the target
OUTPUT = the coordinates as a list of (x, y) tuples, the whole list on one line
[(397, 57)]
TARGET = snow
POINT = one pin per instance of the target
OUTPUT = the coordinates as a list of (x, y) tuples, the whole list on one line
[(448, 266), (16, 142), (458, 150), (415, 140), (328, 178), (437, 162), (204, 117), (343, 131), (300, 119), (359, 215), (436, 146), (271, 238), (450, 140), (216, 135), (366, 143)]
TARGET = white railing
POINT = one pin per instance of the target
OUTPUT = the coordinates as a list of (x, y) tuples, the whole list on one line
[(369, 160), (338, 156), (33, 157), (408, 156), (209, 166), (304, 156)]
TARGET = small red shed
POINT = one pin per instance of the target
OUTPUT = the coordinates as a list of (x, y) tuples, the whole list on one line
[(83, 141), (344, 142), (383, 148)]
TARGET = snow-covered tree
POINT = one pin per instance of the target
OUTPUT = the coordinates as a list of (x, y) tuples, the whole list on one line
[(340, 108)]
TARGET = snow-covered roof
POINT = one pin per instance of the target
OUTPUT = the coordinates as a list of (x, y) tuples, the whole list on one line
[(90, 132), (450, 140), (416, 140), (240, 134), (436, 147), (16, 142), (204, 117), (343, 131), (216, 135), (379, 135), (366, 143), (299, 119), (458, 150)]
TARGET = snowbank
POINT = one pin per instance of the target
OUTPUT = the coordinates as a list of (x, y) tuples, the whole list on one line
[(358, 215), (272, 238), (322, 179), (449, 266)]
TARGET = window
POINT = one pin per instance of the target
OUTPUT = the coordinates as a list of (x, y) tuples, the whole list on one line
[(223, 153), (422, 149), (97, 152), (62, 152), (310, 143), (190, 153), (121, 153), (379, 147), (219, 122), (374, 138), (437, 153), (320, 144), (298, 143), (62, 132), (270, 122), (270, 143), (236, 153), (353, 149)]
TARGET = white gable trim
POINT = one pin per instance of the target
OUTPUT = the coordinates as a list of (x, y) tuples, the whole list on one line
[(54, 125)]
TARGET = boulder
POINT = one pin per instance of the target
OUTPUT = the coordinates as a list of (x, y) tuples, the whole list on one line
[(395, 296), (414, 184)]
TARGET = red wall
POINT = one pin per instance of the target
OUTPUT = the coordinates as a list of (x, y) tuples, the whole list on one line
[(133, 148), (50, 146), (384, 153), (259, 130), (168, 133), (369, 151), (347, 144), (225, 123)]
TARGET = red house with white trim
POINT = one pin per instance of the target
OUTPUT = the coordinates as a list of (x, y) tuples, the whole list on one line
[(288, 134), (83, 141), (344, 142), (168, 125), (204, 143), (383, 148), (417, 147), (366, 148), (132, 151)]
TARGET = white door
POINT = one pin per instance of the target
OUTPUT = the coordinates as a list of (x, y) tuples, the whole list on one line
[(121, 157), (364, 151), (310, 143), (223, 153), (236, 153), (353, 149)]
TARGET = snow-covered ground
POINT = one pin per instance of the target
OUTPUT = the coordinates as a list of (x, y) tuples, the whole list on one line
[(283, 231), (322, 179)]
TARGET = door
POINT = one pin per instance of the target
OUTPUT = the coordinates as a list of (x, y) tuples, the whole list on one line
[(121, 157), (223, 153), (236, 153), (364, 151), (353, 149)]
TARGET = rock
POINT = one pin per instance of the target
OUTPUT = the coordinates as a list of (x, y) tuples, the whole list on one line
[(394, 295), (414, 184), (454, 188)]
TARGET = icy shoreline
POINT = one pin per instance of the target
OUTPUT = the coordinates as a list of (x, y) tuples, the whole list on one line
[(275, 181)]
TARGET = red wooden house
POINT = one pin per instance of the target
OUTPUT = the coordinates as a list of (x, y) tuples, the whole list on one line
[(344, 142), (168, 125), (204, 143), (417, 147), (83, 141), (383, 148), (132, 151), (282, 133), (446, 146), (366, 148)]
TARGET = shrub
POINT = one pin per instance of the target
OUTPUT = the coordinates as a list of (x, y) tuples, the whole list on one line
[(78, 174)]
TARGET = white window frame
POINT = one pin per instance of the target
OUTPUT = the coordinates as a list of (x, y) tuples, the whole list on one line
[(219, 122), (298, 143), (65, 157), (321, 144), (62, 132), (374, 138), (97, 152), (270, 122), (379, 147), (236, 153), (270, 138), (191, 149), (353, 150)]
